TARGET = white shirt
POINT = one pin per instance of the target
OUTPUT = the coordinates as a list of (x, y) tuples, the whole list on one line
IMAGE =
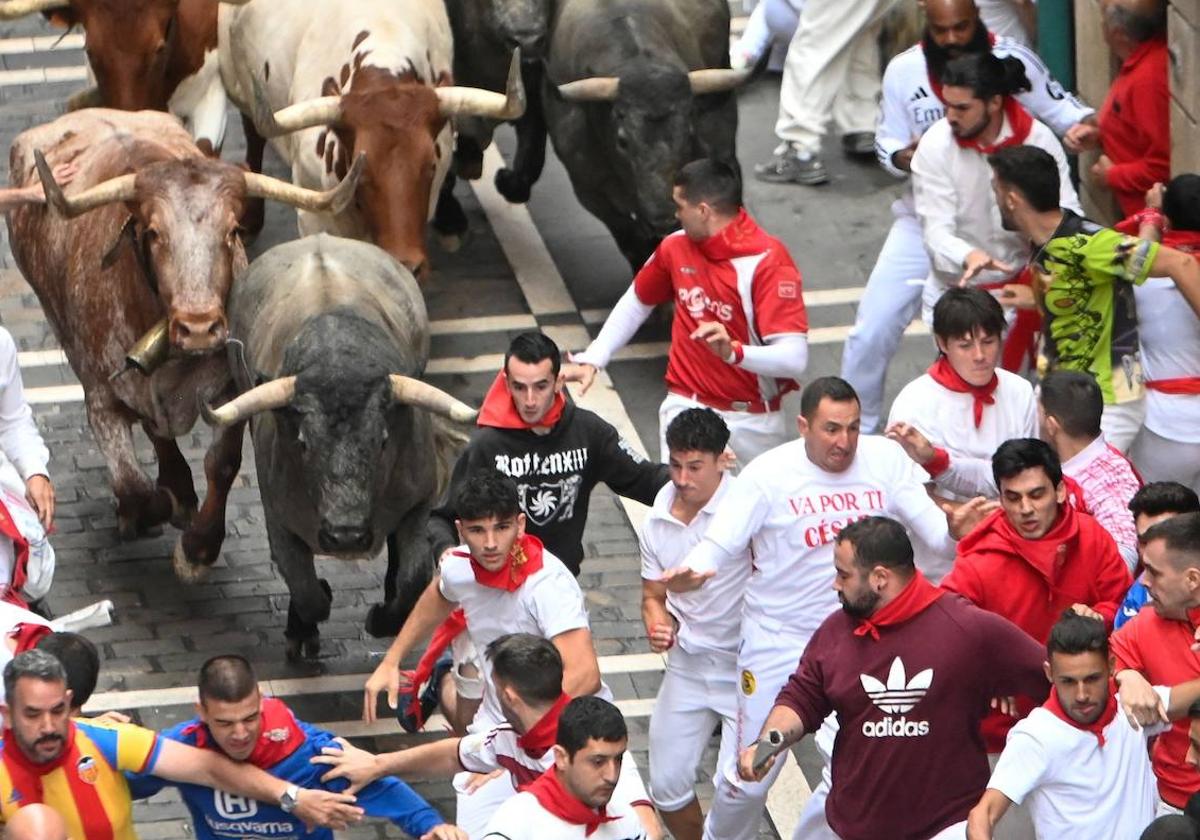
[(789, 511), (710, 618), (947, 419), (547, 604), (909, 106), (1001, 18), (1170, 345), (1076, 788), (523, 818), (952, 187), (20, 441)]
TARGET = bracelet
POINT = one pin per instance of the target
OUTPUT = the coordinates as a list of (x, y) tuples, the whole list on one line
[(736, 353), (1150, 216)]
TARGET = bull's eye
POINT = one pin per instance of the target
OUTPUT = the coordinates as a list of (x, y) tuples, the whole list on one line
[(383, 440), (302, 441), (622, 138)]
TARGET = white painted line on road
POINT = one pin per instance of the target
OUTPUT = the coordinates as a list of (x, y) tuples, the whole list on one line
[(494, 323), (145, 698), (52, 394), (40, 43), (41, 358), (42, 75)]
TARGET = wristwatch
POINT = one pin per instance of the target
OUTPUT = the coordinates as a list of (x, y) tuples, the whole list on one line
[(289, 799)]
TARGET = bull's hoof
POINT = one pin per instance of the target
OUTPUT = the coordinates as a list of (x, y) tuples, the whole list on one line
[(514, 187), (451, 243), (129, 528), (300, 650), (382, 622), (185, 569)]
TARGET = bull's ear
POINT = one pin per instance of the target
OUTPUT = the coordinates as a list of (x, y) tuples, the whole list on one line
[(128, 231)]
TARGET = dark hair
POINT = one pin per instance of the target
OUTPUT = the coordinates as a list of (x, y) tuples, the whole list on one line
[(34, 663), (1137, 24), (962, 311), (1181, 202), (697, 430), (878, 541), (227, 679), (1180, 533), (1032, 172), (1170, 827), (826, 387), (485, 494), (589, 718), (532, 347), (531, 664), (712, 182), (987, 75), (79, 659), (1073, 398), (1159, 497), (1074, 634), (1020, 454)]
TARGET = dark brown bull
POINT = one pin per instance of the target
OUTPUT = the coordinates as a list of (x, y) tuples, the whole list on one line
[(148, 231)]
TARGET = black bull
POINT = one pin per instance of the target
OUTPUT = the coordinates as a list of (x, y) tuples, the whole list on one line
[(343, 429)]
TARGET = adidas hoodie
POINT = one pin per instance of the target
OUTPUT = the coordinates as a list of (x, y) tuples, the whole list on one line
[(908, 757)]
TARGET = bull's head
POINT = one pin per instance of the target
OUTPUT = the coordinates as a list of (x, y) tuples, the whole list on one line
[(183, 226), (648, 129), (396, 123), (521, 24), (348, 428)]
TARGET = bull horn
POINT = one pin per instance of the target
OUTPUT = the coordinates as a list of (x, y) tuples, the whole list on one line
[(476, 102), (717, 80), (411, 391), (273, 394), (594, 89), (12, 9), (324, 110), (333, 200), (120, 188), (86, 98)]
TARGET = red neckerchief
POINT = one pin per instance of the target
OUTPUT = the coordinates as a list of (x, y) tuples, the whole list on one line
[(944, 374), (934, 82), (499, 412), (27, 635), (552, 796), (524, 560), (445, 633), (1042, 555), (8, 528), (1097, 726), (1018, 120), (741, 237), (279, 737), (543, 734), (913, 599)]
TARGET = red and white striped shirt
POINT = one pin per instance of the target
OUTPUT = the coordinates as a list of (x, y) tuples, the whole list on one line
[(1108, 481)]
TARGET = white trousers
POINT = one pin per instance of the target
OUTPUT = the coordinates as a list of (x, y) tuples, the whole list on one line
[(831, 71), (698, 691), (766, 658), (1160, 459), (750, 435), (771, 25), (1121, 423), (889, 304)]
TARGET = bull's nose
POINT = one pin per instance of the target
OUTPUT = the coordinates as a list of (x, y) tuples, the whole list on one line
[(531, 43), (343, 537), (197, 332)]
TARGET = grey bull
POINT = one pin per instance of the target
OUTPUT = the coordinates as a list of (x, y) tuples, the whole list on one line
[(343, 428)]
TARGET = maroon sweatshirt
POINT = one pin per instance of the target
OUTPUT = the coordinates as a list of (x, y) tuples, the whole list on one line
[(909, 760)]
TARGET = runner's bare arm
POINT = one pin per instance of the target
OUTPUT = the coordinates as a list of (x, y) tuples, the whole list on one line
[(984, 816), (1184, 269), (660, 624), (783, 720), (436, 760), (581, 671)]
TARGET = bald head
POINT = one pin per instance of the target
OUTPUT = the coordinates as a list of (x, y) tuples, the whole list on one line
[(36, 822), (952, 29)]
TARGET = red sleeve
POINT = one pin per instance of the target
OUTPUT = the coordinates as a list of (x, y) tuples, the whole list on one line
[(778, 296), (804, 692), (1112, 580), (1125, 647), (1153, 113), (964, 580), (653, 284)]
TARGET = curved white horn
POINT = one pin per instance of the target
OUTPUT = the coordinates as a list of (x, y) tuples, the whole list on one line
[(717, 80), (120, 188), (324, 110), (274, 394), (594, 89), (332, 200), (411, 391), (476, 102), (19, 8)]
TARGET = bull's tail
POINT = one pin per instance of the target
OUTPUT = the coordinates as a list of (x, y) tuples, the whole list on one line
[(449, 439)]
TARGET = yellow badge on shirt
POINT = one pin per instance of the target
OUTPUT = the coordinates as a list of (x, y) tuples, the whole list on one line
[(748, 683)]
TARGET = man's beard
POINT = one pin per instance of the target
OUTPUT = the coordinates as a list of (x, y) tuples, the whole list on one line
[(936, 58), (864, 607)]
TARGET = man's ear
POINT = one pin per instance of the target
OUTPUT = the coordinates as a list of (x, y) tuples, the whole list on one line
[(458, 528), (1046, 669), (520, 525), (561, 760), (801, 425), (1060, 492)]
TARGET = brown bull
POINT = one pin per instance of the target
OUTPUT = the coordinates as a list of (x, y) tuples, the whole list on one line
[(147, 232)]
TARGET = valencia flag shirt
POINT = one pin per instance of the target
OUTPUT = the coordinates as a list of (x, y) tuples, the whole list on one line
[(85, 784)]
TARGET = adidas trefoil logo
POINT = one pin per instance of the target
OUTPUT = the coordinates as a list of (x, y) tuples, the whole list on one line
[(898, 696)]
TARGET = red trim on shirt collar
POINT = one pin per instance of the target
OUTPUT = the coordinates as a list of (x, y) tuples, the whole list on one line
[(1096, 727), (556, 799), (543, 734)]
